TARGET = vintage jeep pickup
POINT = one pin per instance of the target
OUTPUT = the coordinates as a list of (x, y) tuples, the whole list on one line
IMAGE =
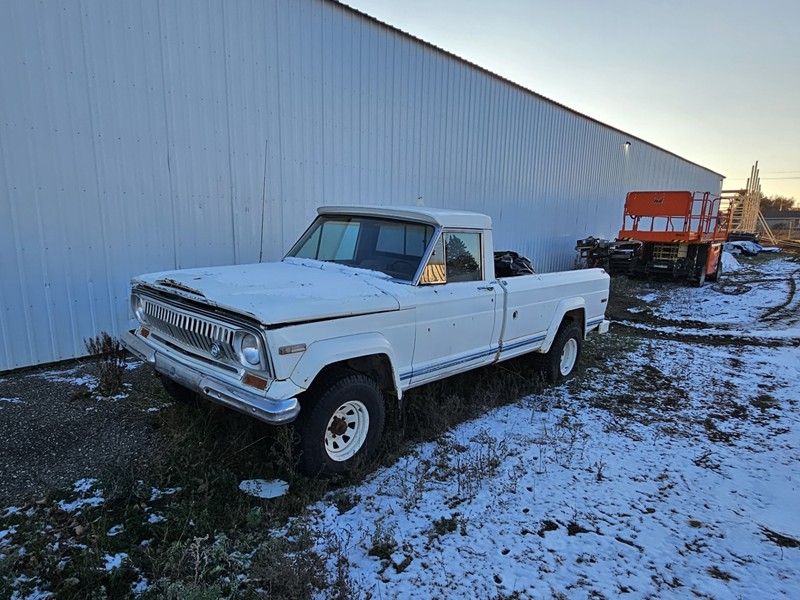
[(371, 301)]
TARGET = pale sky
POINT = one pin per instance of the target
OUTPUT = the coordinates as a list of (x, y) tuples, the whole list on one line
[(715, 81)]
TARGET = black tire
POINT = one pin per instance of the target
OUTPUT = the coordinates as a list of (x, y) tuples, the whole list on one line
[(717, 272), (559, 364), (340, 424), (699, 279), (178, 392)]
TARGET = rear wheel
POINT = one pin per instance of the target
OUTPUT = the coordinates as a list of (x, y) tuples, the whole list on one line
[(341, 424), (559, 363)]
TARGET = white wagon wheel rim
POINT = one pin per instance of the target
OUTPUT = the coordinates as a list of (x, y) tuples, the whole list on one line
[(346, 430), (568, 357)]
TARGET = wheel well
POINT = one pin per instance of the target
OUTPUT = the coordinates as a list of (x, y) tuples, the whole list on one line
[(377, 367), (575, 316)]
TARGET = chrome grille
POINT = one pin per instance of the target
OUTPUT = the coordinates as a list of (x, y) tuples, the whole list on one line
[(190, 330)]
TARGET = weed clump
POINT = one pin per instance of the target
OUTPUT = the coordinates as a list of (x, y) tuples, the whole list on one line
[(382, 543), (110, 356)]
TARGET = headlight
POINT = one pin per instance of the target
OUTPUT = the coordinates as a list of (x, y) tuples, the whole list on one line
[(249, 350), (137, 305)]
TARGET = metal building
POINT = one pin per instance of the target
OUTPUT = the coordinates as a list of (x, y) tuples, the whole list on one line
[(142, 136)]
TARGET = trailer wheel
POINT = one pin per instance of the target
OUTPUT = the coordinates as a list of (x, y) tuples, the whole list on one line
[(559, 363), (342, 425)]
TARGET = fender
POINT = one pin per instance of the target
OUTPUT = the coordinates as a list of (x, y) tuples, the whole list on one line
[(323, 353), (565, 306)]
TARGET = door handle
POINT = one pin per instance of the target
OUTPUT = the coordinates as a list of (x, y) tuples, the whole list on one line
[(486, 287)]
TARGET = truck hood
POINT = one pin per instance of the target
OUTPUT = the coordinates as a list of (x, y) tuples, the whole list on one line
[(291, 291)]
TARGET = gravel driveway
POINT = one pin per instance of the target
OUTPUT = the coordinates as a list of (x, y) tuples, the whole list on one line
[(53, 431)]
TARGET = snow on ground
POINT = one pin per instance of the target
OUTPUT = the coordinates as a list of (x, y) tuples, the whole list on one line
[(156, 493), (114, 561), (82, 487), (729, 263), (262, 488), (741, 296), (668, 470), (69, 376)]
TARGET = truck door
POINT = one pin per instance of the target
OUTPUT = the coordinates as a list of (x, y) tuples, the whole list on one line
[(456, 309)]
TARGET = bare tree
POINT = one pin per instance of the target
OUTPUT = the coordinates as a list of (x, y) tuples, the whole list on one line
[(778, 202)]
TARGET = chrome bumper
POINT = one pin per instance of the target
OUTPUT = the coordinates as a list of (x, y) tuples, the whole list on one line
[(275, 411)]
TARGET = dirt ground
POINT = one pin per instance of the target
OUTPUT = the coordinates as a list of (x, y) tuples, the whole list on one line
[(53, 431)]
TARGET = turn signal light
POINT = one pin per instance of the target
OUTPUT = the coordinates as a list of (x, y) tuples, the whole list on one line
[(292, 349), (253, 381)]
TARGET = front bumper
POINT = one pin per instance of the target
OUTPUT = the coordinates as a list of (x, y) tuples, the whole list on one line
[(237, 397)]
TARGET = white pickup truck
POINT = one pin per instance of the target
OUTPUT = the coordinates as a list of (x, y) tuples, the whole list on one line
[(371, 301)]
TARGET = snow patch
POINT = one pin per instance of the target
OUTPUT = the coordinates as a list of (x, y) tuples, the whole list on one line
[(83, 485), (35, 594), (80, 503), (263, 488), (140, 587), (68, 376), (7, 533), (156, 493), (114, 561), (729, 263)]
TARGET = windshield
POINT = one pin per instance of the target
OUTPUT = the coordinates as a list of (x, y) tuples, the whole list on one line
[(385, 245)]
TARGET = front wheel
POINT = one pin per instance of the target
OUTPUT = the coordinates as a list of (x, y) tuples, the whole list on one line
[(342, 424), (559, 363)]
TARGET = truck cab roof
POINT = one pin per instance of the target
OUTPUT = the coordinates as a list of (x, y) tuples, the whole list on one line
[(438, 217)]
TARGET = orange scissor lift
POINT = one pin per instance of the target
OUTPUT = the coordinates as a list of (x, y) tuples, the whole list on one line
[(677, 234)]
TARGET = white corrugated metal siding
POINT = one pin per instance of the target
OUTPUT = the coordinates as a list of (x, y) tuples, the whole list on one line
[(141, 136)]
